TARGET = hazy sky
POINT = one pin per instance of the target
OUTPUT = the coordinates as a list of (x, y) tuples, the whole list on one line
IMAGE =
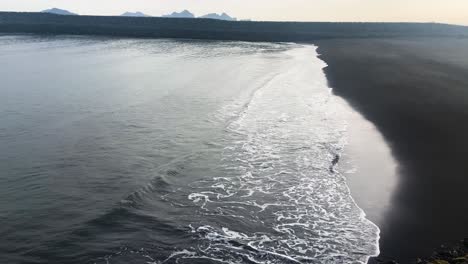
[(447, 11)]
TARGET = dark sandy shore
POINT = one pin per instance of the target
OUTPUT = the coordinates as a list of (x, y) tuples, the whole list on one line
[(416, 94)]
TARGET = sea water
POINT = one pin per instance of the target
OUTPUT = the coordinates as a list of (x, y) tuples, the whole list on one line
[(166, 151)]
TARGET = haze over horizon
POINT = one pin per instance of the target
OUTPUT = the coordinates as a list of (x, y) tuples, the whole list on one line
[(449, 11)]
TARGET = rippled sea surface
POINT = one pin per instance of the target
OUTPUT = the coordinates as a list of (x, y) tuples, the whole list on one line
[(163, 151)]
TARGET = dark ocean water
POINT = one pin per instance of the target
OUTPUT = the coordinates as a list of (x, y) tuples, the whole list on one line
[(161, 151)]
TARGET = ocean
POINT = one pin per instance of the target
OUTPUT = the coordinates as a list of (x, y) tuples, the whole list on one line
[(172, 151)]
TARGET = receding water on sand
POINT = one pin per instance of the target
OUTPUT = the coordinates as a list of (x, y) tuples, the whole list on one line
[(370, 168), (161, 151)]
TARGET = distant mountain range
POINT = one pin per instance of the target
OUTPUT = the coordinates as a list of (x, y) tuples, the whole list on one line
[(183, 14), (134, 14), (223, 16), (159, 27), (57, 11)]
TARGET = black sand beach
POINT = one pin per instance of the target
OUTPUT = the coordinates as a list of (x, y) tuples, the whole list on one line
[(416, 94)]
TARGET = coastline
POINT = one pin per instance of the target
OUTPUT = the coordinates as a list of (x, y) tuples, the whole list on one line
[(352, 164), (366, 156), (415, 93)]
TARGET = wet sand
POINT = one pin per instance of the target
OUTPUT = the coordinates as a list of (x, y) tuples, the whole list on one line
[(415, 92), (365, 157)]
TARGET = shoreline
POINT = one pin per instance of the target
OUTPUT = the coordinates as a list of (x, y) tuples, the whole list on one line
[(353, 157), (359, 165), (415, 93)]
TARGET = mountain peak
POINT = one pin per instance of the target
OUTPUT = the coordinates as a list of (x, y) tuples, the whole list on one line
[(134, 14), (185, 13), (58, 11), (223, 16)]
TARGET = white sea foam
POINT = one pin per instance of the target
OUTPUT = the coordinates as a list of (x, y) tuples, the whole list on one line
[(295, 206)]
